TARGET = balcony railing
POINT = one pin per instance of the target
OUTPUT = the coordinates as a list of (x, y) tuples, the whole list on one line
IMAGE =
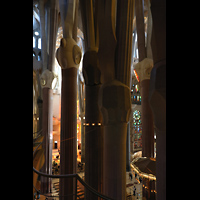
[(77, 178)]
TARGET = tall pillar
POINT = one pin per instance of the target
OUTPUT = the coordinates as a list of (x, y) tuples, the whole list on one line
[(68, 56), (115, 105), (93, 130), (46, 80), (157, 92), (143, 69), (124, 32)]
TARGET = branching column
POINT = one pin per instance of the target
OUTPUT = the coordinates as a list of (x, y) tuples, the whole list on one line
[(93, 121), (68, 56), (114, 95)]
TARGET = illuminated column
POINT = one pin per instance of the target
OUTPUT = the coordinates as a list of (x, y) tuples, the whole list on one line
[(93, 133), (157, 92), (46, 80), (115, 106), (143, 70), (68, 56)]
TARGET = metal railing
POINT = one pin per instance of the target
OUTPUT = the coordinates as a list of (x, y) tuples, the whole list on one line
[(76, 176)]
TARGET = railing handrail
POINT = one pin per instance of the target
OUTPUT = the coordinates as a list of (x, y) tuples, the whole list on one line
[(71, 176)]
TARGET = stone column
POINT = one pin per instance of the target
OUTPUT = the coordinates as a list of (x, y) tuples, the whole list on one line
[(143, 69), (157, 92), (115, 106), (46, 80), (46, 83), (93, 133), (68, 56)]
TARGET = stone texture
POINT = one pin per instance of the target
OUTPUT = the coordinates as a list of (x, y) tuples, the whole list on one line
[(115, 102)]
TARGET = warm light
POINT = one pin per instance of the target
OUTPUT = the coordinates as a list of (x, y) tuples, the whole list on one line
[(136, 75), (99, 124), (142, 174), (93, 124)]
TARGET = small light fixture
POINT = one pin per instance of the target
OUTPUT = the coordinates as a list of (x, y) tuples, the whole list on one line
[(36, 33)]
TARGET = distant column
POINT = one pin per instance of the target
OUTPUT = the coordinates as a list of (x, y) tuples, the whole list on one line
[(46, 80), (48, 45), (143, 69)]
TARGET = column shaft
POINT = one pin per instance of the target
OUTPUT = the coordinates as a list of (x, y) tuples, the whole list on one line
[(68, 135), (114, 165), (47, 126), (147, 121), (93, 143)]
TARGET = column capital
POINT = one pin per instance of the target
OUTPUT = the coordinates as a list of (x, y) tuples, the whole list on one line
[(115, 102), (143, 69), (68, 54), (46, 79)]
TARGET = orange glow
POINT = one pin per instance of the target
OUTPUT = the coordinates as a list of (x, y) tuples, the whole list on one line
[(136, 75), (77, 109), (60, 109)]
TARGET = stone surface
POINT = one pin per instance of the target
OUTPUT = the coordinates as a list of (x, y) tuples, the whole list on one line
[(115, 106), (46, 79), (144, 68), (68, 54), (91, 72), (115, 102)]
